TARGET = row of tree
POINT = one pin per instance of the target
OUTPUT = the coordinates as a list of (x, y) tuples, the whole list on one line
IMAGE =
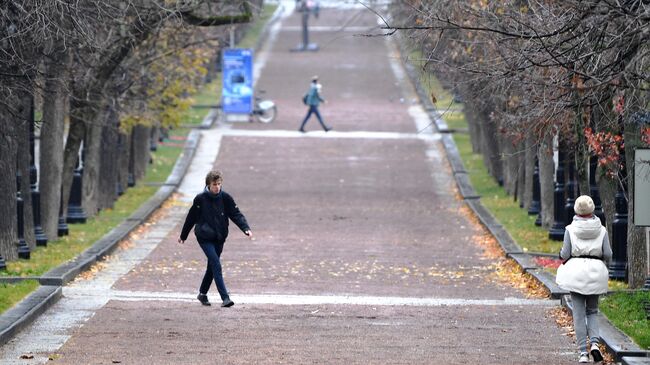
[(104, 74), (535, 74)]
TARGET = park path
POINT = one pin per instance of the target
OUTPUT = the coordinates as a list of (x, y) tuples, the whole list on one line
[(362, 252)]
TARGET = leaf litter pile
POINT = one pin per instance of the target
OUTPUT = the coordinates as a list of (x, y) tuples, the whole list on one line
[(506, 271)]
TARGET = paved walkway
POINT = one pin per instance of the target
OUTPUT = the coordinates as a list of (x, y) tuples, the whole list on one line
[(362, 253)]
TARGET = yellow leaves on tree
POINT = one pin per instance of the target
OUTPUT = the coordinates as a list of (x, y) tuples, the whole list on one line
[(167, 81)]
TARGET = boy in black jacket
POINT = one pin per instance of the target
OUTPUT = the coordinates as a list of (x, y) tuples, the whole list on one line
[(210, 212)]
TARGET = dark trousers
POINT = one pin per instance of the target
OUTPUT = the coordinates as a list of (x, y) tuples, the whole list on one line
[(213, 271), (313, 109)]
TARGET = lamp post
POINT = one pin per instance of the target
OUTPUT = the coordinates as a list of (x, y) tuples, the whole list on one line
[(305, 9), (62, 228), (23, 248), (556, 232), (41, 239), (76, 213)]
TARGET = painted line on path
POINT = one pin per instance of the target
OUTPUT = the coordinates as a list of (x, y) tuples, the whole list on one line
[(279, 299), (276, 133)]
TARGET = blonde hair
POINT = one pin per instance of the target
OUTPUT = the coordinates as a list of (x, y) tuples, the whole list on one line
[(214, 175)]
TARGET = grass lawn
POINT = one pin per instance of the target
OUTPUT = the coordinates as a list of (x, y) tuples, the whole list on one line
[(11, 294), (625, 310)]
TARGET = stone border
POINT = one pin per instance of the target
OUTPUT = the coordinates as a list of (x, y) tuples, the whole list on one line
[(24, 313), (619, 344), (52, 281)]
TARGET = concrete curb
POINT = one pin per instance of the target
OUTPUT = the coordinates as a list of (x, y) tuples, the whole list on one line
[(619, 344), (24, 313)]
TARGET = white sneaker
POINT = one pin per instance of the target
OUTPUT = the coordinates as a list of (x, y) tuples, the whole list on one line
[(584, 357), (595, 352)]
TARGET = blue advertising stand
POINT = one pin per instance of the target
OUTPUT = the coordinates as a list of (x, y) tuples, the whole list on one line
[(237, 90)]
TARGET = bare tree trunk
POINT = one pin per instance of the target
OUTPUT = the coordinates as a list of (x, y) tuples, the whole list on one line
[(109, 161), (546, 180), (51, 156), (521, 176), (23, 158), (91, 171), (510, 165), (529, 169), (124, 153), (140, 150), (636, 247), (474, 127), (8, 152), (491, 153)]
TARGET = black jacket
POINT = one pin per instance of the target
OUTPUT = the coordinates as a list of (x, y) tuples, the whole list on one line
[(210, 214)]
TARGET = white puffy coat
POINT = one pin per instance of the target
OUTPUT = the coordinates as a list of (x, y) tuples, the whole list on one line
[(586, 276)]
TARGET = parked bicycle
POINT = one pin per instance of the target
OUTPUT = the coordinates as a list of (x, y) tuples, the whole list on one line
[(264, 110)]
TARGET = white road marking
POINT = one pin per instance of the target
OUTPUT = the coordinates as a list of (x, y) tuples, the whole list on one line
[(277, 133), (280, 299)]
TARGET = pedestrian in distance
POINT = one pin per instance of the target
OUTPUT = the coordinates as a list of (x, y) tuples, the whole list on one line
[(584, 274), (209, 216), (312, 99)]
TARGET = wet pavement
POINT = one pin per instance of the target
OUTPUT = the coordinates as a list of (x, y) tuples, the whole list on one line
[(362, 251)]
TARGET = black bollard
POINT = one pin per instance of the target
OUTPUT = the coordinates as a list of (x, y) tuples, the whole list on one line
[(535, 204), (41, 239), (617, 269), (23, 249), (62, 228), (76, 213), (571, 193), (556, 232), (594, 191)]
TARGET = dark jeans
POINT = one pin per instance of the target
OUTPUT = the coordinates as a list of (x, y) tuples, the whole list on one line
[(213, 271), (313, 109)]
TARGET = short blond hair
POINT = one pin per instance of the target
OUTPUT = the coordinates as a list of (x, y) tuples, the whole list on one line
[(214, 175)]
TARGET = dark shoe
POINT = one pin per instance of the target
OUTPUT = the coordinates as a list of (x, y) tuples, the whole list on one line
[(227, 303), (328, 129), (595, 353), (203, 298), (302, 130)]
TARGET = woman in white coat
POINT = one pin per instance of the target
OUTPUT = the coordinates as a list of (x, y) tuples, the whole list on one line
[(584, 274)]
